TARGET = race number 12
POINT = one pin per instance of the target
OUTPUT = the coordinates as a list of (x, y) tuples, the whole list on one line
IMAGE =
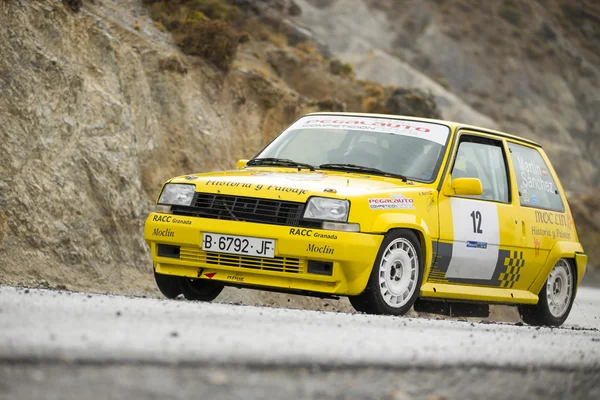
[(476, 215)]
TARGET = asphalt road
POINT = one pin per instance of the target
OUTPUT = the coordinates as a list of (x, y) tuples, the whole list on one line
[(65, 345)]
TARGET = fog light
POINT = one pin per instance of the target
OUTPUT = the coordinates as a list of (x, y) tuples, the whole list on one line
[(320, 267), (167, 250), (338, 226)]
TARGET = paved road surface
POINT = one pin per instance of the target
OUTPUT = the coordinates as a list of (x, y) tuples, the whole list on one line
[(65, 344)]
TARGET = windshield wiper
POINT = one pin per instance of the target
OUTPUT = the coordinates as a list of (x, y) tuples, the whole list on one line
[(360, 168), (279, 161)]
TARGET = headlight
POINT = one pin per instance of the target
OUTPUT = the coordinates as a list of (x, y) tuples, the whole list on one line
[(177, 194), (327, 209)]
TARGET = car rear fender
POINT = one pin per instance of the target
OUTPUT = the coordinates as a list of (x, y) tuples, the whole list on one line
[(570, 250)]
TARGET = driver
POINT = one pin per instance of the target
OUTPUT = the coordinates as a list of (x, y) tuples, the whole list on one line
[(366, 154)]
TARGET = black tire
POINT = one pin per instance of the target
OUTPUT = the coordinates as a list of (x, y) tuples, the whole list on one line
[(200, 289), (371, 300), (540, 314), (360, 304), (168, 285)]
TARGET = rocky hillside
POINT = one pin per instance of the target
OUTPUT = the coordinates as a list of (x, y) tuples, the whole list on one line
[(99, 105), (102, 101)]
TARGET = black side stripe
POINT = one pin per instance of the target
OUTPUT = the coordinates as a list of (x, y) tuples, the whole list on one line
[(506, 273)]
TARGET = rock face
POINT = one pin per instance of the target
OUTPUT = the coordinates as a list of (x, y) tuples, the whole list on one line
[(98, 108), (528, 68), (92, 106)]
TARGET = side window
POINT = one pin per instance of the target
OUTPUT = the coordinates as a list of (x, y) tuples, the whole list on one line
[(536, 185), (484, 159)]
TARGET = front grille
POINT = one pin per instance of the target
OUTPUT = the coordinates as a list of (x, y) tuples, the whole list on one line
[(250, 209), (278, 264)]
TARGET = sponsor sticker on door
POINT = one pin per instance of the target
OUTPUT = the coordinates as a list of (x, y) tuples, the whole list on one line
[(476, 245)]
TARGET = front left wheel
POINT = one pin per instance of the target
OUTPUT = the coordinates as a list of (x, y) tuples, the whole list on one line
[(200, 289), (396, 278), (192, 289)]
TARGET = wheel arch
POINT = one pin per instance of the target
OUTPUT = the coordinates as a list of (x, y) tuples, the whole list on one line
[(569, 250), (422, 242), (392, 222)]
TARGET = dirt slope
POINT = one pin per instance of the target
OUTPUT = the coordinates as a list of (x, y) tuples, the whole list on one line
[(99, 107)]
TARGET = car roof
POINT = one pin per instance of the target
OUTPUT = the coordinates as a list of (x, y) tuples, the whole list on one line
[(452, 124)]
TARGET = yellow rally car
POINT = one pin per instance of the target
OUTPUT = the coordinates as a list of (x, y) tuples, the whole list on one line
[(390, 211)]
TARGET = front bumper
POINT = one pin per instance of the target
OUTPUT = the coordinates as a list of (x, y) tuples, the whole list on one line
[(352, 254)]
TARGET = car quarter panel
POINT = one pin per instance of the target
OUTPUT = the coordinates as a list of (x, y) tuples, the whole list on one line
[(548, 229), (570, 250)]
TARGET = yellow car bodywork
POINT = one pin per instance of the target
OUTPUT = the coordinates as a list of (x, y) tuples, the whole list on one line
[(531, 241)]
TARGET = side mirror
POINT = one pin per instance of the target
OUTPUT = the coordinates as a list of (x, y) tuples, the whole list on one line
[(466, 187), (240, 164)]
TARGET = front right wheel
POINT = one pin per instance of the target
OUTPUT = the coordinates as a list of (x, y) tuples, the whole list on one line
[(555, 299), (396, 278)]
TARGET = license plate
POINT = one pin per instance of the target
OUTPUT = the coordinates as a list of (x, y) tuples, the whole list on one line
[(243, 245)]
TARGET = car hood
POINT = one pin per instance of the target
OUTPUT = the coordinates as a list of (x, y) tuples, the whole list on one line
[(290, 184)]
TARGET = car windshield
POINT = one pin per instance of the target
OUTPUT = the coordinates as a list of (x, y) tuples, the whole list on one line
[(400, 147)]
